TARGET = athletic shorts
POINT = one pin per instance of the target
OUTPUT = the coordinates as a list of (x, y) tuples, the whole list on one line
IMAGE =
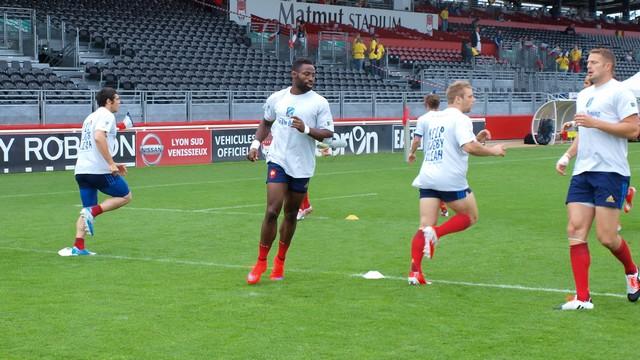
[(446, 196), (276, 174), (89, 184), (605, 189)]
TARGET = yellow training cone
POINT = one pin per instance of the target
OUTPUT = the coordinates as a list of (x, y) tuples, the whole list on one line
[(352, 217)]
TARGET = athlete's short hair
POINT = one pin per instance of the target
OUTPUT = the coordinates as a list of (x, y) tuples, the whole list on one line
[(607, 55), (297, 63), (105, 94), (432, 101), (457, 89)]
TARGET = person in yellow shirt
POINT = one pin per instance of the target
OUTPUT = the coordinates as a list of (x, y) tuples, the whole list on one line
[(444, 16), (357, 53), (373, 45), (563, 62), (575, 57)]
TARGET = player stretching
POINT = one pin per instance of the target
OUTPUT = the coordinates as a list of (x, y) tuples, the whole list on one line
[(606, 116), (95, 169), (296, 117), (448, 140)]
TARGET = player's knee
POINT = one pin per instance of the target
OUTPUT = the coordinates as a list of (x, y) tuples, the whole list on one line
[(271, 215), (291, 216), (608, 239), (127, 198)]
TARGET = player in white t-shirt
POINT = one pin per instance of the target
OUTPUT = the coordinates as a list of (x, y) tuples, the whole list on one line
[(448, 139), (296, 117), (606, 116), (95, 169)]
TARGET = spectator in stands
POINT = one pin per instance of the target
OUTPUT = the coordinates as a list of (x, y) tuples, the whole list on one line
[(570, 30), (466, 52), (301, 37), (556, 51), (474, 39), (380, 51), (628, 56), (563, 62), (498, 41), (444, 16), (373, 45), (358, 50), (575, 59)]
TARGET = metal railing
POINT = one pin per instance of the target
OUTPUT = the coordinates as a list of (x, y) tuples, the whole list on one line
[(42, 107), (19, 31)]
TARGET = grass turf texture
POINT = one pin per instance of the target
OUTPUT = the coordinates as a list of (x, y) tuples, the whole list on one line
[(169, 282)]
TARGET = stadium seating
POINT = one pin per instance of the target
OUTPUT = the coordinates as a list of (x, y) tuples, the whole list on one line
[(178, 45)]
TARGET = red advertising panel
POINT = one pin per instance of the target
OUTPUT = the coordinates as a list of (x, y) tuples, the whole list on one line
[(173, 147)]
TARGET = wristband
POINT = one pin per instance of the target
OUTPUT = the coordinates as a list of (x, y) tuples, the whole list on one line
[(307, 129), (255, 144), (564, 160)]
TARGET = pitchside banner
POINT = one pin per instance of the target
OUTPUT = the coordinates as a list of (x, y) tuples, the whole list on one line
[(289, 12), (54, 151), (232, 144), (173, 147)]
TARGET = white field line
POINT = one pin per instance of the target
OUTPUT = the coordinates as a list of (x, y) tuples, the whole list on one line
[(334, 173), (224, 209), (412, 168), (394, 278)]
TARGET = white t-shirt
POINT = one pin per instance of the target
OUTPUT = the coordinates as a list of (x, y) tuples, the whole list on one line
[(291, 149), (90, 161), (598, 150), (445, 162)]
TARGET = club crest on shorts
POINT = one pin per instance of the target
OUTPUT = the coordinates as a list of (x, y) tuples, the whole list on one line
[(272, 173), (610, 199)]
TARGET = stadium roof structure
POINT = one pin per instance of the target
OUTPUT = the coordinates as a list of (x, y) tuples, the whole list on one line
[(606, 6)]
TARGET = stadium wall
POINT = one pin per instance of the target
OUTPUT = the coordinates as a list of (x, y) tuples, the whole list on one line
[(52, 149)]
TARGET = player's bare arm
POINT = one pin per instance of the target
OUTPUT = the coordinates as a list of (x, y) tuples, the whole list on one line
[(102, 145), (318, 134), (483, 136), (563, 162), (263, 131), (414, 147), (628, 128), (477, 149)]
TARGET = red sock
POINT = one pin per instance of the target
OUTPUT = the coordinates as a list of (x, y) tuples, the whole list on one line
[(263, 251), (580, 261), (282, 250), (624, 255), (457, 223), (96, 210), (305, 202), (79, 243), (417, 251)]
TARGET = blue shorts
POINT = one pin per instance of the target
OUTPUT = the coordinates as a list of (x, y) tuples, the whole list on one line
[(446, 196), (599, 188), (276, 174), (89, 184)]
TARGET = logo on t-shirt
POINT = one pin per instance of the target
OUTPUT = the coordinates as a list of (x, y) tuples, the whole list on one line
[(589, 102), (290, 111)]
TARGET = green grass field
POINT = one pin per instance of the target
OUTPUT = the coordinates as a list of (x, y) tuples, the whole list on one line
[(169, 278)]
